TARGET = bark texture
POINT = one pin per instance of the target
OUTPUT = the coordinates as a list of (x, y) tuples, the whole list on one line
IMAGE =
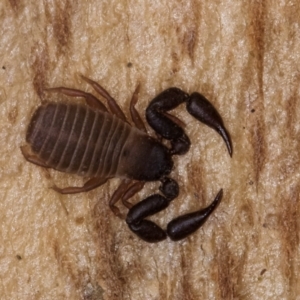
[(244, 57)]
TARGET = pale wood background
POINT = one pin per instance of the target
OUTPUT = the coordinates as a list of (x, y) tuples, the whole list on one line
[(242, 55)]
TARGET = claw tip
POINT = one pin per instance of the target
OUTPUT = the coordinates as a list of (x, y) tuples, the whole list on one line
[(226, 137)]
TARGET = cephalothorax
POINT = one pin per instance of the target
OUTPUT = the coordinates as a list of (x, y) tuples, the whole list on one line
[(88, 140)]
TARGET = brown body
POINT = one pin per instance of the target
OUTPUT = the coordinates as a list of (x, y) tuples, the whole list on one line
[(87, 140), (74, 138)]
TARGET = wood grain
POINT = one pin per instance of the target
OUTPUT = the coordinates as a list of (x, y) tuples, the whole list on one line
[(242, 55)]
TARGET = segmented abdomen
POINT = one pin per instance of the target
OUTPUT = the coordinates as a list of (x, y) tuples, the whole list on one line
[(77, 139)]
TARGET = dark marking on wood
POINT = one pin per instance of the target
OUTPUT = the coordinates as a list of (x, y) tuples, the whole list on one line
[(188, 291), (175, 63), (108, 257), (79, 220), (65, 263), (229, 270), (258, 142), (190, 31), (13, 114), (290, 237), (291, 109), (15, 5), (196, 183), (60, 20), (186, 31), (40, 67), (263, 271), (257, 37), (256, 33), (189, 40), (62, 24), (92, 291)]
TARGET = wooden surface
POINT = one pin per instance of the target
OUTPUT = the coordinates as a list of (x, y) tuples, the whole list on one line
[(242, 55)]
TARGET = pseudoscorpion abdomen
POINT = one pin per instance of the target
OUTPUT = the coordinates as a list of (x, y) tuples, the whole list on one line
[(76, 139)]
